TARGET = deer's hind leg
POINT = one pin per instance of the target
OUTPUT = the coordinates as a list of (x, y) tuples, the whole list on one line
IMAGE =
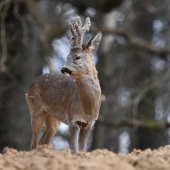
[(51, 126), (83, 136), (36, 123)]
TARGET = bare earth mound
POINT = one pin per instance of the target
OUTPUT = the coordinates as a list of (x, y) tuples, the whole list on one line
[(44, 158)]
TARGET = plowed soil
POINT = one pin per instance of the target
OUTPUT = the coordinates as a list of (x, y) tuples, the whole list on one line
[(44, 158)]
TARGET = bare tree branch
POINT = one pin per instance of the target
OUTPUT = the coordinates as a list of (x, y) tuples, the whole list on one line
[(3, 32), (14, 79), (49, 31), (2, 4), (21, 19), (34, 12), (141, 93), (137, 123), (136, 41), (104, 5)]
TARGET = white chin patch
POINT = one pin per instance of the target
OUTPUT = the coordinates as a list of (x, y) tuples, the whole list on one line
[(66, 74)]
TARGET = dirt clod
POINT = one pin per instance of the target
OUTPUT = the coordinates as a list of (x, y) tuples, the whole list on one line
[(44, 158)]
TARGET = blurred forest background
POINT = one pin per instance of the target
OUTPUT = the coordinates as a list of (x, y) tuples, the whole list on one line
[(133, 62)]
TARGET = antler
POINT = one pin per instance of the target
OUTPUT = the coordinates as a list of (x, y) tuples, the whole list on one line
[(78, 32)]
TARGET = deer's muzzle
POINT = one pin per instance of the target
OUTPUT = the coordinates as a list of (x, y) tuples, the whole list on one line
[(66, 71)]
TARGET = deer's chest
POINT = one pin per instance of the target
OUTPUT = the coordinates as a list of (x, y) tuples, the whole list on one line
[(90, 101)]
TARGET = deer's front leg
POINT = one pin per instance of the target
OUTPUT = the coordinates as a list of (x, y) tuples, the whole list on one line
[(83, 136), (74, 134)]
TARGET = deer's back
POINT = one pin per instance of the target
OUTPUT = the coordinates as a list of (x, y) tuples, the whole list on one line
[(52, 91)]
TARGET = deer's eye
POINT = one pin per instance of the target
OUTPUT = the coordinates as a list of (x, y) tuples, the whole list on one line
[(77, 58)]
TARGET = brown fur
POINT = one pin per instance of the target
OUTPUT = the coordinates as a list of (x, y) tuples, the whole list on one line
[(74, 100)]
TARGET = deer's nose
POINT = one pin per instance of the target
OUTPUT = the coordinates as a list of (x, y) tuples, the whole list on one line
[(65, 70)]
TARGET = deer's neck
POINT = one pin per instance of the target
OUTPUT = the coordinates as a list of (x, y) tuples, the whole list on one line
[(87, 82)]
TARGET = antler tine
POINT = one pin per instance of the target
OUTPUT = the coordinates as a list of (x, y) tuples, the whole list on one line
[(78, 32), (79, 22), (86, 25), (74, 35), (73, 32), (81, 30)]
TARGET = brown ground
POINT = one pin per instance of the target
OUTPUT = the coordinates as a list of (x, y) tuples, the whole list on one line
[(44, 158)]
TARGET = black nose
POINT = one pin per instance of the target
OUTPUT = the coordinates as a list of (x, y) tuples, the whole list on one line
[(65, 70)]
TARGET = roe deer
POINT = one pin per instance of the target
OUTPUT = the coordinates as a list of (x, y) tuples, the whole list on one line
[(73, 97)]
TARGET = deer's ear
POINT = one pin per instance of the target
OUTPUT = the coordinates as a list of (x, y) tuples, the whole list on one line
[(94, 42)]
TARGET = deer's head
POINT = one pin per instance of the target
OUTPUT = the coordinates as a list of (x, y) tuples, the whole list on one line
[(80, 60)]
